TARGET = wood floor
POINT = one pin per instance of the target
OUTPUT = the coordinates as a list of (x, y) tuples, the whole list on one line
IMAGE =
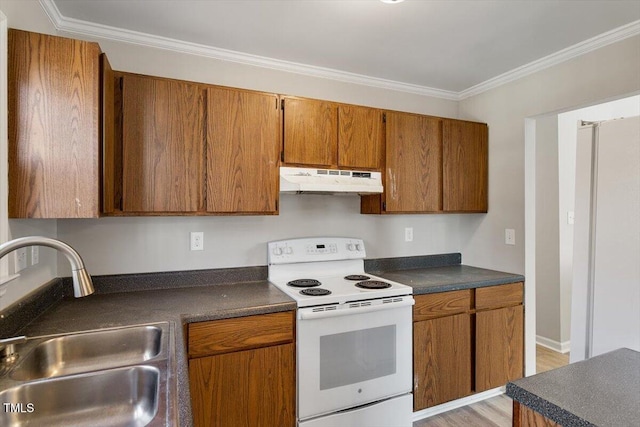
[(497, 410), (547, 359)]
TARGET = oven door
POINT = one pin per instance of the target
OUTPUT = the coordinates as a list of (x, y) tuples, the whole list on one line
[(354, 355)]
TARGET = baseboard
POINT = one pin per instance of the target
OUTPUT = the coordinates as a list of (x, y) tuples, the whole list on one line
[(454, 404), (560, 347)]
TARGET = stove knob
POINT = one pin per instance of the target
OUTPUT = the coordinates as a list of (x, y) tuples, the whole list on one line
[(358, 247), (351, 247), (288, 250), (277, 251)]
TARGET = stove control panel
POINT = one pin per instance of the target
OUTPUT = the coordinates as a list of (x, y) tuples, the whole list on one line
[(314, 249)]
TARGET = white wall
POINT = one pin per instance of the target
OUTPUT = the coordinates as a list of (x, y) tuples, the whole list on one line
[(547, 241), (128, 245), (607, 73)]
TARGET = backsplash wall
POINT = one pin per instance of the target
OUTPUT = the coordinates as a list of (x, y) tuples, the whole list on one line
[(152, 244)]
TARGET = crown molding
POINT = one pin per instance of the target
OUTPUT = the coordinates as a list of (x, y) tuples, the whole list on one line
[(602, 40), (85, 28)]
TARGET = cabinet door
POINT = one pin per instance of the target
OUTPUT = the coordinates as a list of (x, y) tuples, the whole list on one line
[(163, 145), (54, 126), (111, 151), (310, 132), (499, 347), (465, 166), (524, 416), (249, 388), (413, 178), (360, 138), (243, 145), (442, 360)]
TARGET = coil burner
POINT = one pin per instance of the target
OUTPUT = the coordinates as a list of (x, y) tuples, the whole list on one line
[(315, 292), (373, 284), (358, 277), (304, 283)]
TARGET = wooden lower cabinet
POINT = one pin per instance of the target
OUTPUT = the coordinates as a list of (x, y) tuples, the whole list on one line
[(246, 388), (466, 341), (242, 371), (524, 416), (499, 347), (442, 360)]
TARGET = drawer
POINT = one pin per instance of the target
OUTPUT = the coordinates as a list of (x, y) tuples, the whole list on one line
[(441, 304), (499, 296), (240, 333)]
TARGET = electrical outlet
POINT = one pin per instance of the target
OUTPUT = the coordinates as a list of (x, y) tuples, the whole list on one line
[(509, 236), (197, 241), (408, 234), (20, 259), (35, 255)]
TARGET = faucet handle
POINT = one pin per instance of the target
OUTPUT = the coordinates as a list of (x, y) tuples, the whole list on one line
[(8, 349)]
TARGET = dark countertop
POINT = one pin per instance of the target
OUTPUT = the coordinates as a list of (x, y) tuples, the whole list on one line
[(179, 305), (200, 295), (601, 391), (448, 278)]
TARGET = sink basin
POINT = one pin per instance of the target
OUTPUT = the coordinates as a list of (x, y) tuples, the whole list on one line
[(89, 351), (117, 397)]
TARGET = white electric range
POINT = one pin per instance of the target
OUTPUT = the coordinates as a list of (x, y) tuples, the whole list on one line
[(354, 334)]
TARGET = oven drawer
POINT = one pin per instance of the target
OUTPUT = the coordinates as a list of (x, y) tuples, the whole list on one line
[(441, 304), (240, 333)]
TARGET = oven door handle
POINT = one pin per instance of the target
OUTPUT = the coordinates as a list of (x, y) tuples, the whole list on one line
[(308, 314)]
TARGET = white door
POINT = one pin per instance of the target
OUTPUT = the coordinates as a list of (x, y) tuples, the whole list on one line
[(606, 286)]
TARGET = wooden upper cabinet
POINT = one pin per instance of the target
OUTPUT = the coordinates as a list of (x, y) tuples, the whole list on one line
[(413, 171), (54, 126), (111, 149), (465, 166), (243, 147), (360, 137), (310, 132), (163, 145)]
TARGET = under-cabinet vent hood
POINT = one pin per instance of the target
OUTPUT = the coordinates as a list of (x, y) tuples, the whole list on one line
[(308, 180)]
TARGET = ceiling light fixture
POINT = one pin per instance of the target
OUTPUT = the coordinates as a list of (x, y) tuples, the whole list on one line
[(391, 1)]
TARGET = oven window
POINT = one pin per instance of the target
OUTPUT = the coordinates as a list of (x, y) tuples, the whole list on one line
[(353, 357)]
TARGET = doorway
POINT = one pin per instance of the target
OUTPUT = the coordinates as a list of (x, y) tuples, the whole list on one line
[(550, 142)]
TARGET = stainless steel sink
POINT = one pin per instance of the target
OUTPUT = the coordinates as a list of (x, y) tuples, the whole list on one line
[(117, 397), (89, 351), (109, 377)]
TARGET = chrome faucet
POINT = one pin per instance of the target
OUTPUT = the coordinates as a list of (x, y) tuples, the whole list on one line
[(82, 284)]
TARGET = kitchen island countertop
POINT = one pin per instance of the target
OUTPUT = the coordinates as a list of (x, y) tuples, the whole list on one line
[(601, 391)]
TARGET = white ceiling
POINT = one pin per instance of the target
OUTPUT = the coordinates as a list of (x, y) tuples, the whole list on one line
[(446, 45)]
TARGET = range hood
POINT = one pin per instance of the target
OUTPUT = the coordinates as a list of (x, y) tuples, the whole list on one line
[(311, 180)]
